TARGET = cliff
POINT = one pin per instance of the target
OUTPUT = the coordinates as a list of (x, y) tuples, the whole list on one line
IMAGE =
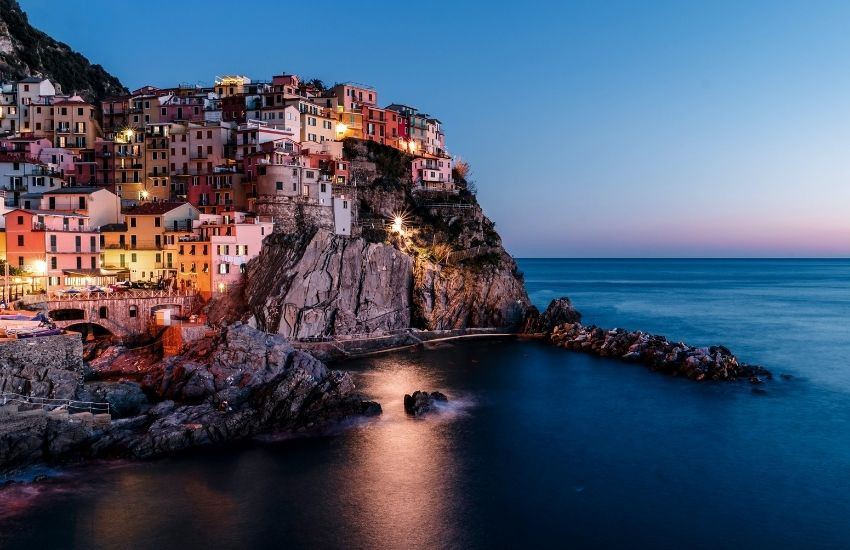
[(446, 269), (26, 51)]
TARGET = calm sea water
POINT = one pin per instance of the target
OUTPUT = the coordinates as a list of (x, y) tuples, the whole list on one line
[(540, 447)]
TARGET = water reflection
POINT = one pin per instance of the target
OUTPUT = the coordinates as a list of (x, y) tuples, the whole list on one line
[(405, 465)]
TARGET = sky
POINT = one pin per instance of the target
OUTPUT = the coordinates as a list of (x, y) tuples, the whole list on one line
[(594, 129)]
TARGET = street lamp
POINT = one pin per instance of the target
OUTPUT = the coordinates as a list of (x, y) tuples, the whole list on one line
[(40, 268)]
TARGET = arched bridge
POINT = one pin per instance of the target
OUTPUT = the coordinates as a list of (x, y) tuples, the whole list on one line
[(122, 313)]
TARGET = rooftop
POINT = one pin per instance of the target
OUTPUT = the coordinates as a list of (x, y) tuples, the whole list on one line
[(74, 191), (152, 208)]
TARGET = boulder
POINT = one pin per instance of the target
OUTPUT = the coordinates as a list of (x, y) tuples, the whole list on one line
[(559, 312), (422, 402)]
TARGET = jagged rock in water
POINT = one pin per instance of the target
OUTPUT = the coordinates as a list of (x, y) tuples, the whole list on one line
[(422, 402), (26, 51), (676, 358), (560, 311)]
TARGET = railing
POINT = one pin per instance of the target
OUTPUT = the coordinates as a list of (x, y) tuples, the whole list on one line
[(84, 296), (49, 404), (38, 226)]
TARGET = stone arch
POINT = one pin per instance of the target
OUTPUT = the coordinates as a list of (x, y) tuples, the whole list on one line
[(86, 328), (107, 324)]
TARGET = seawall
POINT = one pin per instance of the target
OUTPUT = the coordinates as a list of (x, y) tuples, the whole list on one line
[(47, 366)]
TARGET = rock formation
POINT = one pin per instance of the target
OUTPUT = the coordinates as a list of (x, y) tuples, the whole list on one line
[(335, 285), (237, 385), (422, 402), (560, 311), (656, 352), (50, 366), (446, 270), (26, 51)]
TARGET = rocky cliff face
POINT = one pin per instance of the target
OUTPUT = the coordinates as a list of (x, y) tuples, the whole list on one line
[(26, 51), (446, 270), (331, 285), (238, 384)]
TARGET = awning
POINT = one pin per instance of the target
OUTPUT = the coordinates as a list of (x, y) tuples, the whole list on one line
[(95, 272)]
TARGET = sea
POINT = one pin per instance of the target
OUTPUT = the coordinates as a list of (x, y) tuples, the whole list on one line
[(538, 447)]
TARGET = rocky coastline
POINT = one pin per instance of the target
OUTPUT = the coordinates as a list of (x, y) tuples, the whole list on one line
[(233, 386), (561, 325)]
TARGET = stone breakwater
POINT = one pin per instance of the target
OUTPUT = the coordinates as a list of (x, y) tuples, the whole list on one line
[(656, 352), (561, 323)]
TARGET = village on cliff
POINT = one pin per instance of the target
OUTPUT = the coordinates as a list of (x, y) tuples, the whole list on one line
[(176, 189)]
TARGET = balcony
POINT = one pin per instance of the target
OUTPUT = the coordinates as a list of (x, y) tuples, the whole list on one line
[(38, 226), (62, 129)]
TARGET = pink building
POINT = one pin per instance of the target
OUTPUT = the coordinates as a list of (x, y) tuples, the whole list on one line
[(197, 148), (351, 96), (62, 246), (432, 173)]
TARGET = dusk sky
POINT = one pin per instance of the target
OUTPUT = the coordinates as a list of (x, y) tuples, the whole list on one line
[(593, 129)]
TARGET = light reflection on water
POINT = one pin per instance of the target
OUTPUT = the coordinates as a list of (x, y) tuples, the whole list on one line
[(541, 448)]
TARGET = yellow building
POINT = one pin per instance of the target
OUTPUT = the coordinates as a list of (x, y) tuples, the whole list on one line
[(75, 123), (145, 242)]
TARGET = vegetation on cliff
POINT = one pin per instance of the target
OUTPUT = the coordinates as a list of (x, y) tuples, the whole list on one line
[(27, 51)]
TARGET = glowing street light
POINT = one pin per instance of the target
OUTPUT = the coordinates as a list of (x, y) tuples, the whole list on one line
[(40, 267), (145, 195), (341, 128), (397, 225)]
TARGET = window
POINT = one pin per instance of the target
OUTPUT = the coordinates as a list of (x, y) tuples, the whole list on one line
[(103, 312), (79, 262), (134, 311), (21, 239), (133, 257), (93, 244), (157, 222), (279, 186), (20, 261), (53, 262), (223, 268), (132, 222), (93, 263)]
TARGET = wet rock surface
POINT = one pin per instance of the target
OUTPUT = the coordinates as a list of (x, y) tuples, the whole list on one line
[(239, 384), (560, 311), (657, 353), (423, 402)]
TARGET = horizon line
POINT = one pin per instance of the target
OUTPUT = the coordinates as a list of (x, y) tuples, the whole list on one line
[(745, 258)]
